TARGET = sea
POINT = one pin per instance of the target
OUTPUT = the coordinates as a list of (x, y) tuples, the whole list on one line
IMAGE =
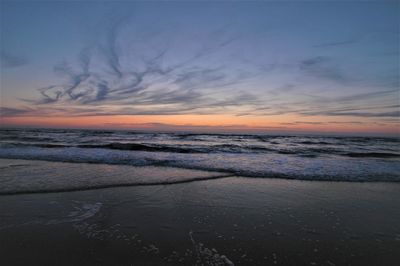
[(313, 157)]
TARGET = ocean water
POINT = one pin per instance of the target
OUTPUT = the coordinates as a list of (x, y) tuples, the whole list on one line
[(334, 158)]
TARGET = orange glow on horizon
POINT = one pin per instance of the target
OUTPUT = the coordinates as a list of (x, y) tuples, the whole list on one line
[(204, 123)]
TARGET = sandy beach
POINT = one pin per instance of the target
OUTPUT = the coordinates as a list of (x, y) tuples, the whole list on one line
[(224, 221), (199, 133)]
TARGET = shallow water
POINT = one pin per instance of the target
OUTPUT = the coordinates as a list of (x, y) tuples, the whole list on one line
[(240, 221), (29, 176), (293, 157)]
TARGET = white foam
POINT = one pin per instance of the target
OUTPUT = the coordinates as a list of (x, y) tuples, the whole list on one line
[(208, 256), (86, 211), (323, 167)]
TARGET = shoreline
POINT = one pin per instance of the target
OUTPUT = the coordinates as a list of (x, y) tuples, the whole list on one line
[(230, 221), (220, 172)]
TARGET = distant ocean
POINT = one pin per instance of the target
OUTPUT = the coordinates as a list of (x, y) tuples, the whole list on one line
[(334, 158)]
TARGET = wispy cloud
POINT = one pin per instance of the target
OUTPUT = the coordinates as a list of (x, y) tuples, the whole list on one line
[(7, 111), (294, 123), (323, 67), (358, 114), (336, 43), (191, 127), (367, 96), (11, 61), (120, 74), (106, 74)]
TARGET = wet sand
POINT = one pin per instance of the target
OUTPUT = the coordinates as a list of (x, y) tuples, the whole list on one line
[(232, 220)]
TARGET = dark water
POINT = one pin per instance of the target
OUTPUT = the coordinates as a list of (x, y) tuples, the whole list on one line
[(294, 157)]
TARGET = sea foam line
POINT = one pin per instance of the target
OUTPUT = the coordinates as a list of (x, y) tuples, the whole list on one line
[(105, 186)]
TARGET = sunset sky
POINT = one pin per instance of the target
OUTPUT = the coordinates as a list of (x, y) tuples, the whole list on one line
[(202, 66)]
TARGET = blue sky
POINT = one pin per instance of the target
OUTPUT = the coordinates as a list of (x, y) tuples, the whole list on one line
[(337, 61)]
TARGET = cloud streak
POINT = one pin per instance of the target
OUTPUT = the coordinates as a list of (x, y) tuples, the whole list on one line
[(323, 67), (126, 73), (337, 43), (356, 114), (12, 61), (191, 127), (105, 74)]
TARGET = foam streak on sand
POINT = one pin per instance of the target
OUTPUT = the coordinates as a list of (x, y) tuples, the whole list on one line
[(86, 211), (79, 214), (206, 256)]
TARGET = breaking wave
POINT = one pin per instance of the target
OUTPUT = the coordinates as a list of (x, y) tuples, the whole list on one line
[(293, 157)]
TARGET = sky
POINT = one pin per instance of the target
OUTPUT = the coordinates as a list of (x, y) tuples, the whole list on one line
[(246, 66)]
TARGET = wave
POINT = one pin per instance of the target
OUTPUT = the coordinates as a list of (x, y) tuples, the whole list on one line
[(27, 138), (175, 149), (141, 147), (315, 142), (373, 154), (38, 145), (305, 167), (151, 147), (13, 165), (293, 157), (302, 151)]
